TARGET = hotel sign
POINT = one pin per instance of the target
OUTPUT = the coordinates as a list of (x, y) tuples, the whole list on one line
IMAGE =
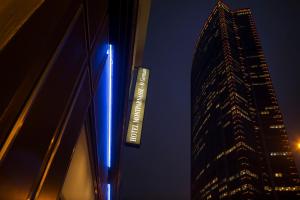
[(137, 108)]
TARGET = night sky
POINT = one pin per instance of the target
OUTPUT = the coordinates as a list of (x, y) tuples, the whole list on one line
[(160, 169)]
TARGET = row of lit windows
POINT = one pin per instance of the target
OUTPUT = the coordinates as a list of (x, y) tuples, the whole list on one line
[(243, 13), (278, 175), (223, 188), (248, 172), (196, 120), (264, 112), (260, 76), (207, 193), (223, 195), (210, 81), (225, 105), (209, 104), (283, 189), (203, 123), (238, 112), (280, 153), (242, 98), (278, 116), (227, 193), (206, 25), (239, 144), (201, 172), (277, 126), (209, 184), (234, 76), (212, 184), (239, 189), (239, 108), (220, 4), (211, 96), (271, 107), (241, 173), (261, 83), (198, 151), (226, 124), (239, 80)]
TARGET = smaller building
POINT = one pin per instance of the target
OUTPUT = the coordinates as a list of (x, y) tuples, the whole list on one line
[(65, 74)]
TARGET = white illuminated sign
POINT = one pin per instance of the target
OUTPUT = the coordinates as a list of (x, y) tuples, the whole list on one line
[(137, 108)]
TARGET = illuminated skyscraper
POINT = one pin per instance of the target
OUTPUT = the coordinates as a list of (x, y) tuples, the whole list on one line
[(240, 146)]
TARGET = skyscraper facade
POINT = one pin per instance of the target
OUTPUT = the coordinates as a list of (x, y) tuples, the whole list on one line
[(239, 144)]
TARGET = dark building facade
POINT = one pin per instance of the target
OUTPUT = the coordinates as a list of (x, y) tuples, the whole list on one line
[(65, 71), (239, 145)]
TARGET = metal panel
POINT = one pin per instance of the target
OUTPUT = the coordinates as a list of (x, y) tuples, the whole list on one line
[(54, 177), (25, 160), (26, 55), (96, 12)]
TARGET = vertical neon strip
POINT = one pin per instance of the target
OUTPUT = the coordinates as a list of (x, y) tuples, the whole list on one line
[(110, 87), (108, 191)]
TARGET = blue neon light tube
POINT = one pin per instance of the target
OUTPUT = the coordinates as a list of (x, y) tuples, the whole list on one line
[(110, 88), (108, 192)]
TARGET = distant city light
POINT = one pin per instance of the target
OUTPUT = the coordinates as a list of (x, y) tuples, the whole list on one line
[(298, 145)]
